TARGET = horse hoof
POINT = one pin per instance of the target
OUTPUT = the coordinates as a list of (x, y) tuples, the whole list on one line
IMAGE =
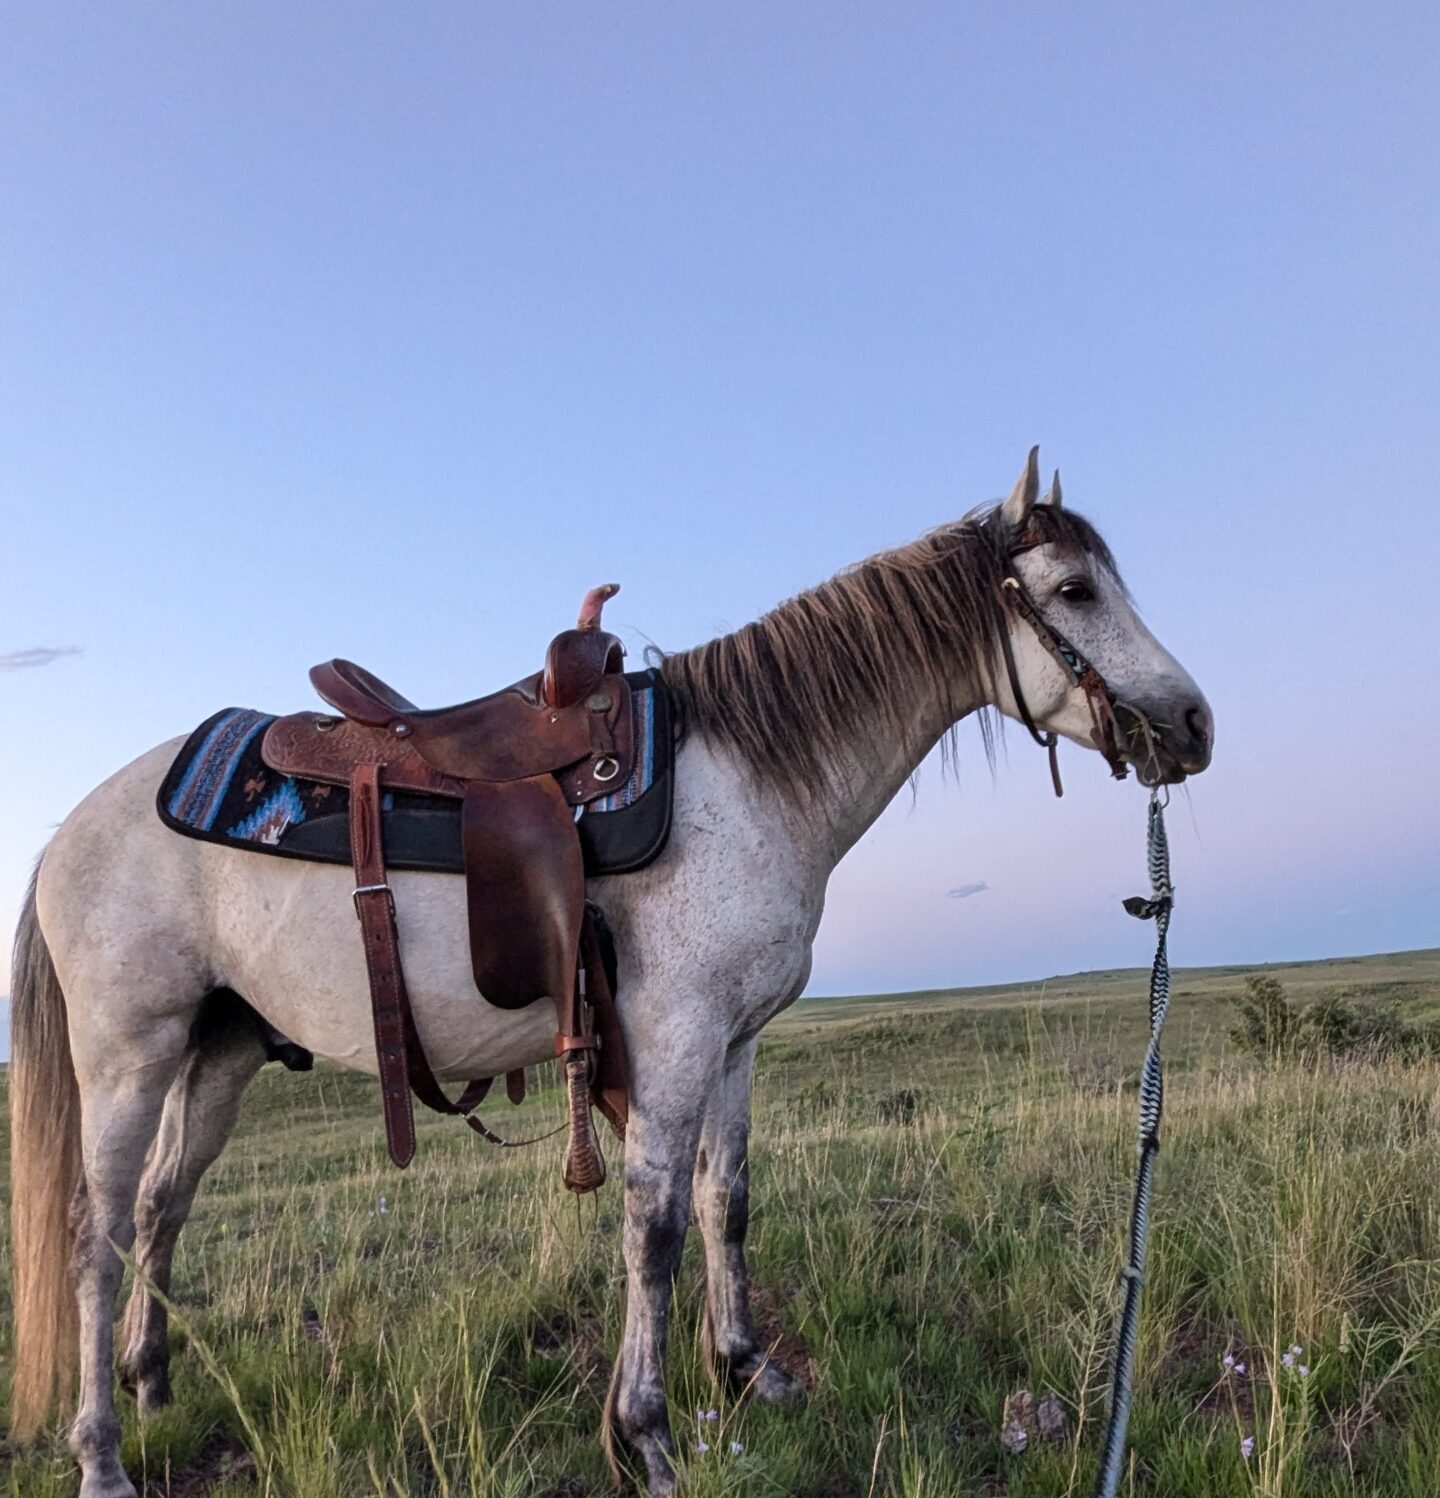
[(152, 1396), (147, 1383), (107, 1481), (758, 1377), (772, 1385), (661, 1484), (651, 1452)]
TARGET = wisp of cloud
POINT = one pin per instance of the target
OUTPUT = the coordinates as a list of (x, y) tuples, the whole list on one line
[(37, 655)]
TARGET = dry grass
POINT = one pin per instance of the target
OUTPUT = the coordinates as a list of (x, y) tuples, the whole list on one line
[(918, 1271)]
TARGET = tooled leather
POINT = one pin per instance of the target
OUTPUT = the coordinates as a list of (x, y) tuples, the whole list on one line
[(575, 663), (512, 735), (518, 760), (313, 746), (612, 736)]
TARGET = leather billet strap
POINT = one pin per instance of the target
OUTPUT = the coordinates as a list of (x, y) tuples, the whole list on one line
[(375, 907), (610, 1077), (400, 1057)]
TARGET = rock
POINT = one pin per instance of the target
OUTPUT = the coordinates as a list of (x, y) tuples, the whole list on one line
[(1017, 1424)]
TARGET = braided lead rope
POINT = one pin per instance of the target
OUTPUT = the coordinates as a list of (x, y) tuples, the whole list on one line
[(1152, 1096)]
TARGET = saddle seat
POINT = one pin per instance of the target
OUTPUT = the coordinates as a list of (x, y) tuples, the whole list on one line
[(577, 707), (519, 761)]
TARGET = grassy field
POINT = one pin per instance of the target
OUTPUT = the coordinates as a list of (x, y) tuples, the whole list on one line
[(940, 1185)]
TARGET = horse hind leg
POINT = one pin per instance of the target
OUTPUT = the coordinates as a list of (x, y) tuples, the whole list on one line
[(124, 1075), (199, 1115)]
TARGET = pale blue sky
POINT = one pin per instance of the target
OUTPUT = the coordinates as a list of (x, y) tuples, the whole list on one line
[(385, 331)]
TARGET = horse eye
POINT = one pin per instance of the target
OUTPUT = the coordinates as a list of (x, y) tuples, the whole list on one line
[(1076, 591)]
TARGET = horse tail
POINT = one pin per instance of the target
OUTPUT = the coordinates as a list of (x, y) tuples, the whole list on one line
[(45, 1170)]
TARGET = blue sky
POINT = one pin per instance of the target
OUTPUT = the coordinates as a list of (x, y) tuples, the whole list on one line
[(386, 331)]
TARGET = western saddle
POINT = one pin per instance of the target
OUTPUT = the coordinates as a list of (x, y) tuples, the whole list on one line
[(520, 762)]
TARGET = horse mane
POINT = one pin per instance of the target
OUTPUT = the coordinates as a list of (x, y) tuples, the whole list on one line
[(790, 692)]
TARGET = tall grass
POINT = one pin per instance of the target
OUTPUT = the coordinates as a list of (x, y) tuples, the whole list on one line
[(918, 1260)]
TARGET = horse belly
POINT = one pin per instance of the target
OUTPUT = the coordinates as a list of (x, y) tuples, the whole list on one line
[(288, 940)]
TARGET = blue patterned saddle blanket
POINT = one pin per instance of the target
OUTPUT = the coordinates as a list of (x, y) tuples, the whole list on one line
[(219, 789)]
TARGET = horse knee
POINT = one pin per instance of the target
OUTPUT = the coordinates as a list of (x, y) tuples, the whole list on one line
[(656, 1221)]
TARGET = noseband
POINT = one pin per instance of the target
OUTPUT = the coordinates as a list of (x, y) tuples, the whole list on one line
[(1105, 729)]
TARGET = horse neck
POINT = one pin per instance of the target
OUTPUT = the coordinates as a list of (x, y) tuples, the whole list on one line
[(858, 790)]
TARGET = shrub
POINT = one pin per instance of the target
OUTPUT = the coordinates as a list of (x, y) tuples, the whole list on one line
[(1336, 1027), (900, 1107), (1268, 1024)]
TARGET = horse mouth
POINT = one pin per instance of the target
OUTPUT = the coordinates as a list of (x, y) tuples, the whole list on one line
[(1156, 770), (1147, 750)]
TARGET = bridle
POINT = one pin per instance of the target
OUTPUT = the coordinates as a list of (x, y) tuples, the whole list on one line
[(1105, 727)]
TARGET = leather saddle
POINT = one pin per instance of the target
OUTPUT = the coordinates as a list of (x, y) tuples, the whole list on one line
[(521, 762)]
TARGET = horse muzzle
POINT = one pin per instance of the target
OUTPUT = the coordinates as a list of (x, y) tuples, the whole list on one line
[(1165, 746)]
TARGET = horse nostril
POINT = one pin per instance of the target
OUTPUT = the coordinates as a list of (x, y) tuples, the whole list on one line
[(1197, 720)]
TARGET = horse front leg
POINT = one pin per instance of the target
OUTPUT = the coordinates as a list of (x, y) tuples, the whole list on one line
[(673, 1081), (722, 1204)]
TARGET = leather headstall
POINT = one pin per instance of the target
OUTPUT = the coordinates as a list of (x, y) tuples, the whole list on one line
[(1105, 728)]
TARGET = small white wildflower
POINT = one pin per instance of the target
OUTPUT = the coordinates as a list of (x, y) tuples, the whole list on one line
[(1288, 1359), (1295, 1350), (1240, 1369), (1229, 1359), (736, 1448), (701, 1447), (712, 1414), (1247, 1446), (1303, 1371)]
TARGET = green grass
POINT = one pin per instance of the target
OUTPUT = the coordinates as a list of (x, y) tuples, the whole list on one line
[(917, 1273)]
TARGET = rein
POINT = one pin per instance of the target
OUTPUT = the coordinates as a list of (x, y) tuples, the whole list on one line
[(1152, 1099)]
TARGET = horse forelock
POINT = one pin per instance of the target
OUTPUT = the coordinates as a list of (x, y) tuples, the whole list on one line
[(792, 691)]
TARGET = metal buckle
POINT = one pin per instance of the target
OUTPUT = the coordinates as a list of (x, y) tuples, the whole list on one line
[(369, 889)]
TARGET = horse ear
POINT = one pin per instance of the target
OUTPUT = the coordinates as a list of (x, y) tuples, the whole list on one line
[(1053, 496), (1016, 509)]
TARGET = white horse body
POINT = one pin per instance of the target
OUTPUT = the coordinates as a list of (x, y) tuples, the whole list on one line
[(713, 939), (733, 893)]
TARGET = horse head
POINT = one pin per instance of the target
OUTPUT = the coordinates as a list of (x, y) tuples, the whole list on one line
[(1078, 661)]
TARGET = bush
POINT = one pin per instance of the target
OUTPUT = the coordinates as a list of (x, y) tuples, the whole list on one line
[(1268, 1024), (900, 1107), (1271, 1029)]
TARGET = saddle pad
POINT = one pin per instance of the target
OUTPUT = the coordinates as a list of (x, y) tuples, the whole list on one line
[(220, 790)]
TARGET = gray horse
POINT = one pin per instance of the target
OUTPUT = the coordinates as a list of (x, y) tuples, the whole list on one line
[(800, 728)]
